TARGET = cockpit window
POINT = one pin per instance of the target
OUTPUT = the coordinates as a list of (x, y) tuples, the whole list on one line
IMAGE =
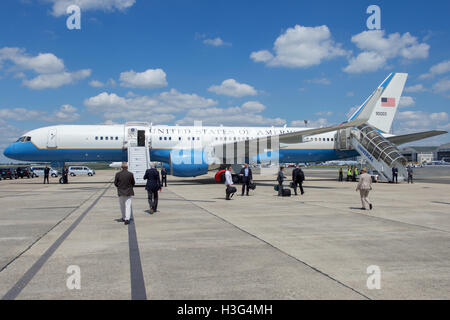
[(24, 139)]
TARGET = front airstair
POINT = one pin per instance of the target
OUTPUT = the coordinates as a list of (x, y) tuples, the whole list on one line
[(138, 143)]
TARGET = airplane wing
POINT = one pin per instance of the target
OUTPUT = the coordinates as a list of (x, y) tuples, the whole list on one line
[(296, 137), (405, 138), (266, 142)]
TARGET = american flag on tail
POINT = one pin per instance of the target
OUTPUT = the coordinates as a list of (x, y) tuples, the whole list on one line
[(388, 102)]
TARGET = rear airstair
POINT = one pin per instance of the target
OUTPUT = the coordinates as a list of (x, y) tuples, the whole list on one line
[(381, 154), (138, 142)]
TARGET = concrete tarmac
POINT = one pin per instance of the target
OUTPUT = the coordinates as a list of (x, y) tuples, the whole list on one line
[(199, 246)]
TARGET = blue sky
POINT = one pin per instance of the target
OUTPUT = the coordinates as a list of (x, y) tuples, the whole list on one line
[(223, 62)]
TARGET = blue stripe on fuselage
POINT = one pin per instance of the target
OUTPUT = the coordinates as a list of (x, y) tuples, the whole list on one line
[(27, 151)]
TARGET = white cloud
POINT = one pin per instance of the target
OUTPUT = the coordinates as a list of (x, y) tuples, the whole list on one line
[(350, 94), (377, 49), (415, 121), (151, 78), (60, 6), (20, 114), (50, 69), (323, 81), (442, 85), (301, 47), (56, 80), (66, 113), (157, 108), (216, 42), (261, 56), (8, 134), (365, 62), (324, 113), (406, 101), (246, 114), (415, 88), (437, 69), (231, 87), (96, 84), (42, 63), (319, 123)]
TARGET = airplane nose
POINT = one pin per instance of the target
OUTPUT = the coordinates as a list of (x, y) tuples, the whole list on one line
[(8, 152)]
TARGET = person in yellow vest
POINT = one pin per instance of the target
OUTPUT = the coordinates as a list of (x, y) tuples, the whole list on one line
[(349, 173)]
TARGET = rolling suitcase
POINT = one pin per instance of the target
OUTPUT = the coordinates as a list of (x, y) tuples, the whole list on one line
[(286, 193)]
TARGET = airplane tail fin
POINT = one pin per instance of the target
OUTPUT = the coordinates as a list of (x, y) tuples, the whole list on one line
[(380, 107)]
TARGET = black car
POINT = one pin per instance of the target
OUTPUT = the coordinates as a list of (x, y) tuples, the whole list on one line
[(8, 173), (24, 172)]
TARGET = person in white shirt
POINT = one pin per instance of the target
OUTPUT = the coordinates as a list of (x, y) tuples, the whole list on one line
[(364, 186), (228, 183)]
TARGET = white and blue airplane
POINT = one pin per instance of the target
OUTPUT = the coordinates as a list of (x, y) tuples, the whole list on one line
[(83, 143)]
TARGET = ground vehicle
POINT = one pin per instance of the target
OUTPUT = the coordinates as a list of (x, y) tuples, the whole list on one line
[(220, 177), (24, 172), (39, 171), (374, 174), (8, 173), (81, 170)]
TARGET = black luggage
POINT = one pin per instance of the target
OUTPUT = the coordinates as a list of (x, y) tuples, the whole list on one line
[(252, 186), (292, 185), (286, 193), (231, 190)]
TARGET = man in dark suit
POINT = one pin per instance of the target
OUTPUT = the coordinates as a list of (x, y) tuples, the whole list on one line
[(298, 177), (246, 176), (46, 174), (152, 187), (124, 181), (163, 176), (65, 175), (394, 174)]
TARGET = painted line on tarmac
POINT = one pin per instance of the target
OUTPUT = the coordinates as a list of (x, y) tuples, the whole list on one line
[(440, 202), (34, 269), (136, 275), (276, 248)]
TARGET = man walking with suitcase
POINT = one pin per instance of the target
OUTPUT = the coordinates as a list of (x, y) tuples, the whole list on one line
[(230, 190), (280, 179)]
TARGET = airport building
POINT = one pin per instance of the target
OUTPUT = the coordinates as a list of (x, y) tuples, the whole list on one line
[(426, 154), (419, 154), (443, 153)]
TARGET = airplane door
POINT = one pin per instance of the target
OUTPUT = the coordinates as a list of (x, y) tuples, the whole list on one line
[(51, 138), (141, 138)]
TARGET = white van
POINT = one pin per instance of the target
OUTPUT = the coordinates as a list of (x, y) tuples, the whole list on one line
[(39, 171), (81, 170)]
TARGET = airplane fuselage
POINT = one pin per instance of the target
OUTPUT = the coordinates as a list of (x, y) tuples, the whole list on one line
[(84, 143)]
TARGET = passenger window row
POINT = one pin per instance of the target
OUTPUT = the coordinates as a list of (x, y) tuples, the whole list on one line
[(106, 138)]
